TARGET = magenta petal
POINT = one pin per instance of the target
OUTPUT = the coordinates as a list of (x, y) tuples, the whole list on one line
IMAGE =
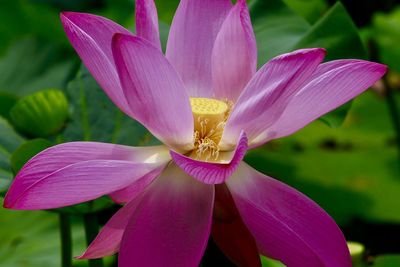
[(191, 39), (49, 167), (147, 22), (209, 172), (154, 91), (234, 57), (91, 36), (285, 223), (132, 191), (333, 84), (268, 92), (172, 225), (78, 183), (108, 240)]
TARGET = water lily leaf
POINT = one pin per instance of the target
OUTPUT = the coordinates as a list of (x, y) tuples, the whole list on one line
[(40, 114), (26, 151), (9, 142)]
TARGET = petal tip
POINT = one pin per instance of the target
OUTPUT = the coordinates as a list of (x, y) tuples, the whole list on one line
[(7, 204), (382, 68), (83, 256)]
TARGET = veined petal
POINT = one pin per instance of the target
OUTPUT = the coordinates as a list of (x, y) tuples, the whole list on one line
[(108, 241), (333, 84), (268, 92), (132, 191), (52, 164), (91, 36), (230, 233), (234, 57), (191, 39), (210, 172), (154, 91), (172, 224), (286, 224), (147, 22)]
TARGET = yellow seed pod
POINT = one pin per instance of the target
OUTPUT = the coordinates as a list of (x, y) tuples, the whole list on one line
[(207, 113)]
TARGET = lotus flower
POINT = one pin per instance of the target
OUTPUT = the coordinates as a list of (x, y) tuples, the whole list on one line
[(208, 104)]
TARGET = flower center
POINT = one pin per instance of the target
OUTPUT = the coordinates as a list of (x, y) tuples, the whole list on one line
[(209, 121)]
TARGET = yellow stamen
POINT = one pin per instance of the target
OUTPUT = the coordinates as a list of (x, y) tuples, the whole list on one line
[(209, 121)]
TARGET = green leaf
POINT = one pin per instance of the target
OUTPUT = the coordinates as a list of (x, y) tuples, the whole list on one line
[(267, 262), (387, 261), (386, 33), (21, 18), (335, 32), (40, 114), (9, 142), (166, 9), (336, 118), (7, 101), (311, 10), (31, 239), (95, 118), (277, 28), (31, 65), (26, 151)]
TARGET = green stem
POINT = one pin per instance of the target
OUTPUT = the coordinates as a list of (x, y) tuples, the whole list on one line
[(394, 114), (91, 229), (66, 240)]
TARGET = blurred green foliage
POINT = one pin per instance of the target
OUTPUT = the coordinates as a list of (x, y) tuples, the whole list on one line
[(386, 33)]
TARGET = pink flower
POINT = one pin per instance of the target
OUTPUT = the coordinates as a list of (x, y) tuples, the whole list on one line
[(206, 101)]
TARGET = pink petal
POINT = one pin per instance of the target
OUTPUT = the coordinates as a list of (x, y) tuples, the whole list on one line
[(286, 224), (172, 224), (265, 97), (191, 39), (91, 36), (154, 91), (55, 161), (132, 191), (230, 233), (147, 22), (109, 239), (333, 84), (234, 56), (209, 172)]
